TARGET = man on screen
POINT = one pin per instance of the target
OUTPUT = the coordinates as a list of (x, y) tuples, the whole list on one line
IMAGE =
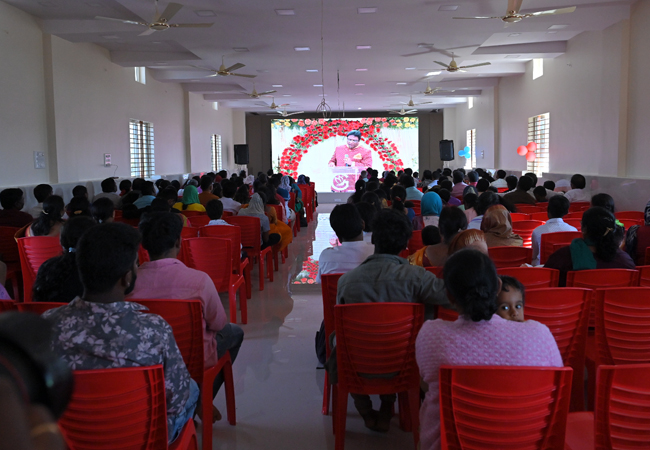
[(351, 154)]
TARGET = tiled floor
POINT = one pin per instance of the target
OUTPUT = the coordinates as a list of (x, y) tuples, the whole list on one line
[(278, 385)]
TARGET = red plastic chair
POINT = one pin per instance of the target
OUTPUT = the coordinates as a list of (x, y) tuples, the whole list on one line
[(189, 232), (37, 307), (529, 209), (507, 256), (647, 256), (121, 408), (214, 257), (329, 284), (198, 221), (579, 206), (577, 223), (634, 215), (565, 311), (533, 277), (10, 255), (417, 209), (518, 217), (436, 270), (504, 407), (415, 243), (189, 214), (117, 213), (252, 242), (376, 339), (132, 222), (292, 205), (551, 242), (307, 200), (574, 215), (627, 223), (226, 214), (34, 251), (502, 189), (234, 234), (541, 216), (644, 275), (185, 318), (524, 228), (622, 415), (7, 305)]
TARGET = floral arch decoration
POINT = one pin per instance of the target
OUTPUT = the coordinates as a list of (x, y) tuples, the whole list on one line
[(319, 130)]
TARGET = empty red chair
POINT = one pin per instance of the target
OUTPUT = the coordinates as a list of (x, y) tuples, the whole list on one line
[(34, 251), (214, 257), (10, 255), (185, 318), (198, 221), (542, 216), (644, 275), (621, 419), (579, 206), (329, 283), (518, 217), (234, 234), (38, 307), (507, 256), (251, 239), (373, 340), (415, 243), (634, 215), (524, 228), (189, 213), (503, 407), (551, 242), (529, 209), (565, 311), (577, 223), (573, 215), (121, 408), (533, 277)]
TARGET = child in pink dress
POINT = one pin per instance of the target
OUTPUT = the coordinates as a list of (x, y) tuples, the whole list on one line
[(479, 336)]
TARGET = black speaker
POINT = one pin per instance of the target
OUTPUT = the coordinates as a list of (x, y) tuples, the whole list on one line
[(241, 154), (446, 150)]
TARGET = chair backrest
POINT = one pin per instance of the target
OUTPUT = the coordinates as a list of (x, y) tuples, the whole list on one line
[(227, 214), (635, 215), (533, 277), (518, 216), (8, 246), (644, 275), (250, 231), (502, 189), (189, 232), (529, 209), (504, 407), (415, 243), (622, 412), (551, 242), (542, 216), (198, 221), (233, 233), (627, 223), (306, 193), (622, 324), (524, 228), (508, 256), (329, 284), (190, 213), (574, 222), (579, 206), (38, 307), (210, 255), (134, 222), (292, 200), (573, 215), (186, 319), (7, 305), (602, 278), (647, 256), (143, 255), (117, 408), (436, 270), (376, 339), (34, 251)]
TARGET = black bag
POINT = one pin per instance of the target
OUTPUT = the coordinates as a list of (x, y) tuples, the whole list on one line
[(320, 344)]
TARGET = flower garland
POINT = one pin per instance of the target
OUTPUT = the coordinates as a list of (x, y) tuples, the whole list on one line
[(319, 130)]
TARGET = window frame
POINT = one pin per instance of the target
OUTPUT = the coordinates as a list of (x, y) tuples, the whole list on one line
[(216, 151), (470, 141), (539, 132), (141, 149)]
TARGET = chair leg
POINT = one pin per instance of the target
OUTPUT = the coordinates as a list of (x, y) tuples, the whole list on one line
[(243, 303), (326, 395), (261, 278), (269, 265), (275, 257), (247, 281), (414, 411), (285, 254), (230, 393), (339, 419), (206, 416), (404, 412), (232, 301)]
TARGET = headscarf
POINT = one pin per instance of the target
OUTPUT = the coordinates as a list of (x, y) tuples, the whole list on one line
[(465, 238), (497, 226), (249, 180), (190, 195), (255, 207), (431, 204), (301, 179), (470, 190), (284, 184), (631, 236)]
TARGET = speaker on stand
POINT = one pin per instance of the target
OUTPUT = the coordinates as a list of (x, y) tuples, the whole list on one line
[(446, 150), (241, 154)]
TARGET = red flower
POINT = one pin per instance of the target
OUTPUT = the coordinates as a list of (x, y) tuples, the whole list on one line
[(301, 123), (294, 120), (308, 121)]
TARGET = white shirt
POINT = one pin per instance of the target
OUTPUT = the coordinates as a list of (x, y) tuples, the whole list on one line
[(500, 183), (577, 195), (551, 226), (219, 222), (36, 210), (367, 237), (230, 205), (475, 223), (343, 258)]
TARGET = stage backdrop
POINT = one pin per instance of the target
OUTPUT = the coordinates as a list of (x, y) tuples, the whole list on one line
[(306, 146)]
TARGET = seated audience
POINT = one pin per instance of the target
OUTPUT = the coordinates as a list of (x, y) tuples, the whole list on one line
[(256, 208), (58, 279), (103, 210), (500, 181), (206, 194), (412, 192), (472, 178), (430, 209), (512, 182), (397, 196), (109, 191), (80, 191), (147, 195), (549, 185), (482, 185), (510, 301), (50, 222), (637, 239), (459, 185), (242, 196), (276, 226), (373, 199), (166, 277), (497, 226), (604, 201), (431, 235), (214, 208), (4, 295), (521, 195), (469, 201), (368, 213), (385, 277), (598, 249), (478, 337), (125, 187), (229, 190), (452, 221), (41, 192), (12, 201), (91, 332), (577, 192), (485, 200), (348, 226), (78, 206), (190, 201), (558, 207), (474, 239), (540, 194)]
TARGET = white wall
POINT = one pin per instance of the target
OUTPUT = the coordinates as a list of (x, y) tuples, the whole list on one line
[(204, 122)]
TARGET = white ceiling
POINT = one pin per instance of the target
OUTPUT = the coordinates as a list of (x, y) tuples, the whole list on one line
[(393, 32)]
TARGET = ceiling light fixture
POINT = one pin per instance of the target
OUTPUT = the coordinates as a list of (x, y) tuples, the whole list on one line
[(285, 12), (286, 95), (366, 10), (401, 84), (318, 85), (110, 36), (311, 70), (301, 49), (363, 47), (551, 32), (448, 8), (432, 74), (361, 70), (276, 85), (205, 13), (240, 49), (410, 68), (513, 56), (360, 84)]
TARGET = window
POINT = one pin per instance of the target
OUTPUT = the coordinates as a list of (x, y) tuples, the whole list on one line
[(140, 75), (538, 68), (538, 132), (141, 142), (470, 163), (215, 106), (216, 153), (470, 102)]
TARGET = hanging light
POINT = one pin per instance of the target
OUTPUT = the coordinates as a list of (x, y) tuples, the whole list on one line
[(323, 107)]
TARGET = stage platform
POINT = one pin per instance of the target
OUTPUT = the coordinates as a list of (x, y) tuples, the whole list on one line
[(333, 197)]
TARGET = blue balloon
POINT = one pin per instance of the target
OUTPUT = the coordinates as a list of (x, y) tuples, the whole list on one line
[(467, 149)]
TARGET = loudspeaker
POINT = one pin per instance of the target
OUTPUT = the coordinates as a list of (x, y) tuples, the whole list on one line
[(241, 154), (446, 150)]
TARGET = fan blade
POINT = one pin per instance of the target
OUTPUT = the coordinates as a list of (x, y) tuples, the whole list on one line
[(235, 67), (491, 17), (514, 6), (411, 111), (475, 65), (170, 11), (191, 25), (243, 75), (266, 92), (213, 75), (550, 12), (442, 64), (294, 113), (148, 32), (394, 112), (130, 22), (423, 103)]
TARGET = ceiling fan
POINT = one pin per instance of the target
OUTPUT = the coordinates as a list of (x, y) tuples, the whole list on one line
[(453, 67), (513, 16), (160, 22), (411, 103), (255, 94), (283, 112), (274, 106), (429, 91), (224, 71), (403, 112)]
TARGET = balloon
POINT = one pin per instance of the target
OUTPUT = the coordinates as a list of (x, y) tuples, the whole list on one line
[(530, 156), (468, 153), (522, 150), (532, 146), (467, 149)]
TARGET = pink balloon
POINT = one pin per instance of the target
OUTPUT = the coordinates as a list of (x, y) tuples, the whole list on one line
[(532, 146), (530, 156), (522, 150)]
